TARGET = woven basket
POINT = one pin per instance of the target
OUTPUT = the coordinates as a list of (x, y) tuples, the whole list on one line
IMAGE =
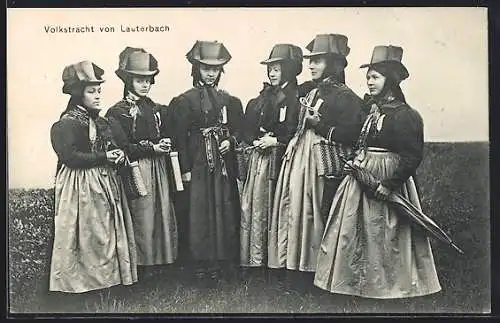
[(276, 161), (133, 182), (242, 158), (329, 158)]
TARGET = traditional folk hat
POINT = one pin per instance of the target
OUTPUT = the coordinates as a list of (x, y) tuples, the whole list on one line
[(324, 44), (208, 53), (80, 73), (136, 61), (390, 56), (286, 53)]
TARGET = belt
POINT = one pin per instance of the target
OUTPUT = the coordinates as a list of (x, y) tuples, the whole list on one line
[(211, 135), (377, 150)]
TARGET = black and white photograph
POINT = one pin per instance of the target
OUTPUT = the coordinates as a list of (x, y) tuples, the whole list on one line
[(313, 160)]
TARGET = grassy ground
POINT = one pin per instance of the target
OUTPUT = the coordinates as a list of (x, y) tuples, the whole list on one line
[(454, 184)]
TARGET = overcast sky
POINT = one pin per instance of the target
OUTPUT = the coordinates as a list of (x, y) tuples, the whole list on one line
[(445, 51)]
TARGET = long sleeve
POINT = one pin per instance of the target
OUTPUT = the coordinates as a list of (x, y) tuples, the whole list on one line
[(181, 114), (167, 128), (408, 143), (134, 150), (64, 137), (250, 126), (235, 119), (342, 122)]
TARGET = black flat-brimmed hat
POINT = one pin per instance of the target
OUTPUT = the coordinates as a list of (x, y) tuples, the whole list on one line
[(81, 73), (325, 44), (136, 61), (209, 53), (286, 53), (389, 56)]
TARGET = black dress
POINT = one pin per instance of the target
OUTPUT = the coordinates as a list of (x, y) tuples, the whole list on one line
[(204, 118)]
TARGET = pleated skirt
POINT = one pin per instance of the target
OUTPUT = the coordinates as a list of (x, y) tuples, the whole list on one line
[(94, 245), (370, 250), (296, 224), (153, 215)]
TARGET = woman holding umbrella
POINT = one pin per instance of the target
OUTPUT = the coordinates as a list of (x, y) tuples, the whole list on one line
[(368, 248), (270, 122), (208, 128)]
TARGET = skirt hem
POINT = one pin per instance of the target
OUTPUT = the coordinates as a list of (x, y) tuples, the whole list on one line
[(61, 290), (345, 292)]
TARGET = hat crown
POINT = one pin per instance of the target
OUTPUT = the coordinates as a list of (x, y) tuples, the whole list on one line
[(286, 52), (81, 72), (140, 61), (329, 44), (137, 60), (209, 52), (84, 71), (387, 54)]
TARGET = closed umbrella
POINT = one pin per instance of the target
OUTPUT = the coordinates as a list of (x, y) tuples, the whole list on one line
[(405, 207)]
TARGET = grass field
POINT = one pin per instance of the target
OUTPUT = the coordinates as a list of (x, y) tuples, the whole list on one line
[(454, 185)]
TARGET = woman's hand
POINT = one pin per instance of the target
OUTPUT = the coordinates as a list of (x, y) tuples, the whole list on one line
[(267, 141), (161, 148), (115, 155), (224, 146), (382, 192), (312, 119), (186, 177), (348, 167)]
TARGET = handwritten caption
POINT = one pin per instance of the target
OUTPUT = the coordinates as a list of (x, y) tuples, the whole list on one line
[(80, 29)]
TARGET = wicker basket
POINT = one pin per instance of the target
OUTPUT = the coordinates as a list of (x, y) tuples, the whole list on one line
[(329, 158), (243, 152), (276, 161), (132, 181)]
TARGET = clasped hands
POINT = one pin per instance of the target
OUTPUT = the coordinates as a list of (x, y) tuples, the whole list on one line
[(265, 141), (163, 147), (115, 156)]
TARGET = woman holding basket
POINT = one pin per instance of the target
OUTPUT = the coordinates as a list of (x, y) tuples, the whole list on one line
[(330, 111), (368, 248), (270, 122), (94, 245), (153, 211)]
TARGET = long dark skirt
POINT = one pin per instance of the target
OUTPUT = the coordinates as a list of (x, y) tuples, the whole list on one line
[(214, 212)]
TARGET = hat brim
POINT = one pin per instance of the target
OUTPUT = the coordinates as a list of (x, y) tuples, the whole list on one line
[(70, 88), (122, 74), (323, 53), (273, 60), (211, 62), (398, 66), (142, 73), (317, 54)]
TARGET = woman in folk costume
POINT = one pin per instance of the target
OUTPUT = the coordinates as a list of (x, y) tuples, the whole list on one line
[(208, 128), (94, 244), (296, 224), (270, 122), (153, 214), (368, 249)]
